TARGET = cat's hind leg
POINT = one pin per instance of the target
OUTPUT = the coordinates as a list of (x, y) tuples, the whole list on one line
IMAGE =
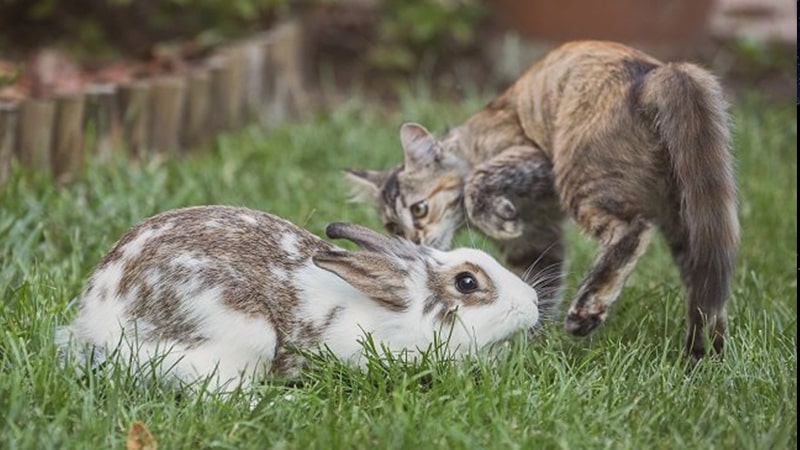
[(706, 312), (622, 243)]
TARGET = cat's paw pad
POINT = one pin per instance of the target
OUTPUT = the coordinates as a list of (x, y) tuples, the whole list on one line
[(505, 210), (581, 322), (498, 218)]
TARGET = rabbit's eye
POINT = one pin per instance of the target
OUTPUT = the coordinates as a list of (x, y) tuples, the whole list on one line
[(466, 283), (419, 209)]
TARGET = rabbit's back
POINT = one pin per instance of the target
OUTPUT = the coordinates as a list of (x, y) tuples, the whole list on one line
[(213, 283)]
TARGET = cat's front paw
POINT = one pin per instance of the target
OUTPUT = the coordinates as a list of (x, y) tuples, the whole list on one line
[(582, 320), (496, 216)]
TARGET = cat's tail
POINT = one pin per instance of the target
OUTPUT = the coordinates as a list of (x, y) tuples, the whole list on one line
[(691, 118)]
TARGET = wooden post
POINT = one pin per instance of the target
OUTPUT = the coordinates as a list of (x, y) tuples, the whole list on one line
[(226, 90), (134, 103), (9, 127), (287, 60), (67, 149), (166, 113), (102, 120), (254, 57), (269, 100), (197, 118), (35, 133), (236, 92)]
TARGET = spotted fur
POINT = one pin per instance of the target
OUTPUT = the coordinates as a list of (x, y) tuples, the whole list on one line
[(237, 292), (602, 133)]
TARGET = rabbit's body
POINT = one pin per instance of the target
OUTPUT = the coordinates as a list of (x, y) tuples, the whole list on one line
[(236, 291)]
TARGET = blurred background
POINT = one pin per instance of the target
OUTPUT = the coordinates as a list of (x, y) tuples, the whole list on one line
[(381, 47)]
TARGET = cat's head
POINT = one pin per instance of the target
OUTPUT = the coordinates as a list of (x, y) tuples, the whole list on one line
[(421, 199)]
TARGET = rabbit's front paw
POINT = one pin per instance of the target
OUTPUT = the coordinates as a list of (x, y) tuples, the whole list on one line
[(495, 215)]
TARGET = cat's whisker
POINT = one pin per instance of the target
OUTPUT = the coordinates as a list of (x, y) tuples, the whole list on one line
[(465, 223)]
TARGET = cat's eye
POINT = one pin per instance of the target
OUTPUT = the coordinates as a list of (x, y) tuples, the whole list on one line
[(419, 209), (466, 283)]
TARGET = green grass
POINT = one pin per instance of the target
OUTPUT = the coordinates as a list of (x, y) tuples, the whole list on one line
[(624, 387)]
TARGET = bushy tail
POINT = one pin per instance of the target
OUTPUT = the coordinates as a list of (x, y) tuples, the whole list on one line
[(691, 118)]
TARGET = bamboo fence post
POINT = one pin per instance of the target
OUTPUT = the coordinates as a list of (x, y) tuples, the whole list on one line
[(102, 119), (67, 152), (166, 113), (35, 133), (9, 127), (197, 118), (134, 103)]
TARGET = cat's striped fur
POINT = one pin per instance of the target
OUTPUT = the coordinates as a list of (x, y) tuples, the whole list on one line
[(619, 141)]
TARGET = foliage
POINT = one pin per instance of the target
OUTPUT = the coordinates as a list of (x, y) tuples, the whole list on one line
[(130, 26), (755, 57), (625, 387), (410, 30)]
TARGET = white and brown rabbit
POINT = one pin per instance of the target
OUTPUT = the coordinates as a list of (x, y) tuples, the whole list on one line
[(234, 292)]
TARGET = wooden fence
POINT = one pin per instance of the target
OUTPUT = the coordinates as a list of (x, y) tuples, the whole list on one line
[(258, 80)]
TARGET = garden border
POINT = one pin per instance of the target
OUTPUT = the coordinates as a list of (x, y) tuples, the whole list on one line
[(255, 80)]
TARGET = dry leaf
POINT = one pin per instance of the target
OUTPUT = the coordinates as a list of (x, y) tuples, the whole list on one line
[(139, 438)]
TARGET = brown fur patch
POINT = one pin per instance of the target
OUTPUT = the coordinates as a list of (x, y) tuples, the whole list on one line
[(441, 284), (244, 258)]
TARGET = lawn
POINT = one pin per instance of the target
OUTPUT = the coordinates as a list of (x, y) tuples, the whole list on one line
[(624, 387)]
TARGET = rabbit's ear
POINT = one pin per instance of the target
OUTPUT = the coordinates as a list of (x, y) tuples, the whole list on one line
[(374, 274), (360, 235), (366, 185)]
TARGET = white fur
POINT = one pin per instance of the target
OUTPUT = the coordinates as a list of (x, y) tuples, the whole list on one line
[(236, 343), (250, 220), (289, 244), (515, 309), (105, 281), (322, 292), (279, 273), (191, 261), (134, 247)]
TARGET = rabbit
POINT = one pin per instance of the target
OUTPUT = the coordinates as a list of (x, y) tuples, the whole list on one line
[(233, 292)]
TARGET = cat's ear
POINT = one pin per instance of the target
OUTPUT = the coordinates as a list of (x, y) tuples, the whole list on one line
[(366, 185), (420, 147)]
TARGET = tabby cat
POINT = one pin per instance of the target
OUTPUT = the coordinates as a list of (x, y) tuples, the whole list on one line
[(606, 134)]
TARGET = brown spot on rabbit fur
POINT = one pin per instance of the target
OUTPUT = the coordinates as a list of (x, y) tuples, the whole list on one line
[(223, 236), (443, 294)]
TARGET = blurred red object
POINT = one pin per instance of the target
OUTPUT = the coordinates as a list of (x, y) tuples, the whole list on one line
[(623, 20)]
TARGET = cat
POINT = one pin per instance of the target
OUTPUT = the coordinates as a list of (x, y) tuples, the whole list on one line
[(619, 141)]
